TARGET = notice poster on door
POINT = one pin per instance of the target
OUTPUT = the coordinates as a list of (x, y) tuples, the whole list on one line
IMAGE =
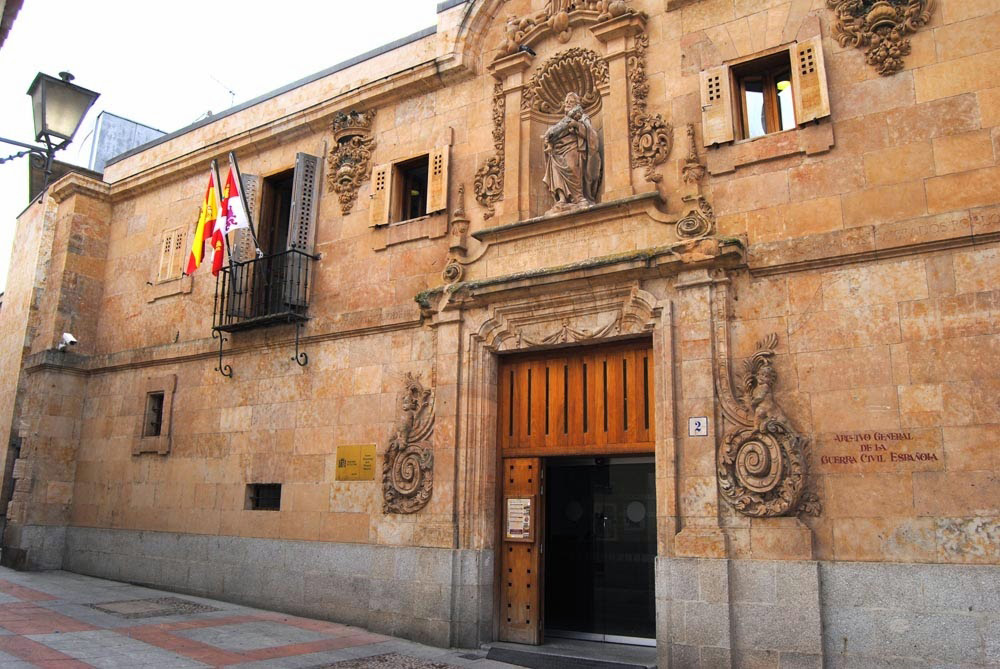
[(519, 516)]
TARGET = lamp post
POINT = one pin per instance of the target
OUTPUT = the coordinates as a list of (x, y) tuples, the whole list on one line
[(58, 107)]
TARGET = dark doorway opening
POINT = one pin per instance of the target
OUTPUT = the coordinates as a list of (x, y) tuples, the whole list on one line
[(600, 548)]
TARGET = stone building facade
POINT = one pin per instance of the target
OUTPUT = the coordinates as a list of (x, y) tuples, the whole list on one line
[(769, 343)]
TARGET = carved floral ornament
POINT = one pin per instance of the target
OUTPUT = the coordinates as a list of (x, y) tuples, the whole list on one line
[(349, 162), (761, 464), (881, 26), (488, 185), (408, 466), (557, 19), (652, 137)]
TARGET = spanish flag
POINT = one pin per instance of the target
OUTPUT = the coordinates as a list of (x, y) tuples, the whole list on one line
[(206, 224)]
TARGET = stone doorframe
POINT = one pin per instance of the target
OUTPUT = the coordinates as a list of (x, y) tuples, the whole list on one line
[(582, 314)]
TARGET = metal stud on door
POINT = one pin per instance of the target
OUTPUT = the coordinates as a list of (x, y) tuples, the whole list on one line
[(521, 542)]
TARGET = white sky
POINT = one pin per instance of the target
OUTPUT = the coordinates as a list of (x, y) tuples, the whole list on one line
[(155, 62)]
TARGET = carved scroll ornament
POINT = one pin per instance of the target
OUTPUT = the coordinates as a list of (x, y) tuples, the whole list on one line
[(488, 184), (349, 162), (408, 466), (881, 26), (652, 137), (761, 464)]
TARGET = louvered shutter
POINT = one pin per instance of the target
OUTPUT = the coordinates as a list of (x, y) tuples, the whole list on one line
[(166, 253), (301, 227), (437, 180), (381, 187), (812, 99), (716, 106), (171, 255)]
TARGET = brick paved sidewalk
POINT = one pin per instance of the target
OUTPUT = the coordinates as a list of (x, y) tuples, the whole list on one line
[(59, 620)]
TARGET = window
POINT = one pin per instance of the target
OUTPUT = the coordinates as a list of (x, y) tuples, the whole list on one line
[(411, 196), (172, 256), (263, 497), (410, 188), (153, 422), (779, 90), (765, 96), (154, 434)]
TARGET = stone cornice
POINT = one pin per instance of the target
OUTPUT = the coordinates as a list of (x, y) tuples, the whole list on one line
[(77, 184)]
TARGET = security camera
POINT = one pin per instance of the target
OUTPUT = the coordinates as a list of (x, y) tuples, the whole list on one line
[(67, 340)]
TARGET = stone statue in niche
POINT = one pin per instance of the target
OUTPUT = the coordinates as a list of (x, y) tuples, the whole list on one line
[(573, 165)]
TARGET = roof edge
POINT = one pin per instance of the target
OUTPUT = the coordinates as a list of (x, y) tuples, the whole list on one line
[(339, 67)]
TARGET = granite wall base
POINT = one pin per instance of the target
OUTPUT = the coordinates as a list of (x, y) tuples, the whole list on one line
[(436, 596), (756, 614)]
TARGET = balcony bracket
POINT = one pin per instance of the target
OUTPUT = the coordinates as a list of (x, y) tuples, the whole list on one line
[(300, 357), (225, 370)]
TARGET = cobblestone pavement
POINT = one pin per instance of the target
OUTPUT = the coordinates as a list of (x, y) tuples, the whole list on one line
[(59, 620)]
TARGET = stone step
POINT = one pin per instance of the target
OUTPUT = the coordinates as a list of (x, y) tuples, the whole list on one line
[(567, 654)]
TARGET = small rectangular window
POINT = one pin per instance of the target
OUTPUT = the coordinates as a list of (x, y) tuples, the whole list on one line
[(411, 177), (172, 255), (765, 95), (153, 424), (263, 497)]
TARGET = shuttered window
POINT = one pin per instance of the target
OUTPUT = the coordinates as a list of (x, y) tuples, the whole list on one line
[(586, 400), (396, 194), (172, 255), (778, 91)]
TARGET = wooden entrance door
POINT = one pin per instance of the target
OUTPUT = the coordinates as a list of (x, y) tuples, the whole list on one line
[(587, 401)]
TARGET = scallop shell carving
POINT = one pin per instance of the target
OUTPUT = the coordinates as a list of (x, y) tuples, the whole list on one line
[(575, 70)]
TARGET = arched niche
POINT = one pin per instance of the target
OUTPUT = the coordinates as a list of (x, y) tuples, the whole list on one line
[(536, 51)]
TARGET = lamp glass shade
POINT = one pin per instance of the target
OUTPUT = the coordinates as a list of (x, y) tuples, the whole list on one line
[(58, 107)]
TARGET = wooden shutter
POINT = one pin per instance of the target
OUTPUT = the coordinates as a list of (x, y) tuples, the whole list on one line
[(171, 255), (243, 246), (301, 229), (716, 106), (379, 211), (437, 180), (305, 202), (812, 99), (521, 560)]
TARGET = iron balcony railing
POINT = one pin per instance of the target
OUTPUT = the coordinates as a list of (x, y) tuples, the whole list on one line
[(264, 291)]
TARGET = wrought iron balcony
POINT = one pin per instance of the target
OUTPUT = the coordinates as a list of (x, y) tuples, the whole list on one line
[(270, 290)]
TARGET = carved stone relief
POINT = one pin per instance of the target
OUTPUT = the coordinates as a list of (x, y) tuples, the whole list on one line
[(575, 70), (408, 466), (590, 316), (881, 26), (761, 463), (652, 137), (349, 162), (488, 185), (699, 221), (557, 18)]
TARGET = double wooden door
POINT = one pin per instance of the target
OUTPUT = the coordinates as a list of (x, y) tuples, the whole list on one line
[(595, 401)]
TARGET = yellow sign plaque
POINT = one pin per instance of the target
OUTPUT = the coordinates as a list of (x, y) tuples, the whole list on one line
[(356, 462)]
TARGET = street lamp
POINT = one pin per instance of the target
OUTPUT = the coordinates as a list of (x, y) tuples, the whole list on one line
[(58, 107)]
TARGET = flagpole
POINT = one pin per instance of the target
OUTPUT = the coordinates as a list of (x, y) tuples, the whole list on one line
[(246, 201), (221, 218)]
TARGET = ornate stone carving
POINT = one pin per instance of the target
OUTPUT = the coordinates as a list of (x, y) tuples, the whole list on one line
[(575, 70), (458, 234), (558, 18), (699, 221), (573, 317), (652, 137), (881, 26), (761, 464), (349, 162), (488, 185), (408, 466), (693, 171)]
